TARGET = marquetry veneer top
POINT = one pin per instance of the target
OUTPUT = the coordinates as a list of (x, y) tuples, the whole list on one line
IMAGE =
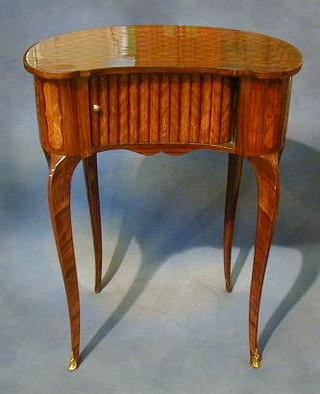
[(142, 49)]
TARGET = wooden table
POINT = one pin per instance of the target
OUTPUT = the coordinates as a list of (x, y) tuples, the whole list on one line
[(168, 89)]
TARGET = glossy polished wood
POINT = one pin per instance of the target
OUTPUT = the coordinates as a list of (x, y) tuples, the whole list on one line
[(168, 89), (60, 174), (267, 172), (92, 184), (162, 49), (151, 113), (174, 108), (233, 185)]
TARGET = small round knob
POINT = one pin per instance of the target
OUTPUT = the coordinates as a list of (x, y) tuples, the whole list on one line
[(96, 107)]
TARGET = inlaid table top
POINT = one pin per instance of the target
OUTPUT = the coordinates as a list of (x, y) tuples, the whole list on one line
[(163, 48)]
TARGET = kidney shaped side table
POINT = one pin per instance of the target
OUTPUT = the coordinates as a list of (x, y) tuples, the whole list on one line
[(167, 89)]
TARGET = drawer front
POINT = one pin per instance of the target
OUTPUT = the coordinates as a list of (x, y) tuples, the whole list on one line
[(161, 109)]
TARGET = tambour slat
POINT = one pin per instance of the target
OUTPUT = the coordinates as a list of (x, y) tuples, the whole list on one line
[(144, 117), (113, 109), (226, 106), (104, 112), (95, 118), (195, 107), (185, 107), (175, 86), (123, 108), (215, 118), (133, 105), (154, 107), (206, 96), (164, 108)]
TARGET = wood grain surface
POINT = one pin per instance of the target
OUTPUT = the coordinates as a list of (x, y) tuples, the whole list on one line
[(167, 89), (233, 185), (145, 49), (262, 115), (160, 108), (60, 174), (92, 185), (267, 173)]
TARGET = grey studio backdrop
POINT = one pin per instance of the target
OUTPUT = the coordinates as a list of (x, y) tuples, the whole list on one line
[(164, 323)]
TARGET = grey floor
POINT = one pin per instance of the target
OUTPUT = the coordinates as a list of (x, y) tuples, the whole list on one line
[(164, 323)]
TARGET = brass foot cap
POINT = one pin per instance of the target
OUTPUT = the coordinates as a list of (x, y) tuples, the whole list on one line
[(255, 359), (73, 363)]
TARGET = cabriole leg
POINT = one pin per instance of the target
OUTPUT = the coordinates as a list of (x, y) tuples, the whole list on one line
[(91, 178), (60, 174), (267, 173), (234, 178)]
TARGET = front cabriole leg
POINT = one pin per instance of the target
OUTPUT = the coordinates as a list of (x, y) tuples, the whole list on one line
[(60, 174), (267, 172)]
